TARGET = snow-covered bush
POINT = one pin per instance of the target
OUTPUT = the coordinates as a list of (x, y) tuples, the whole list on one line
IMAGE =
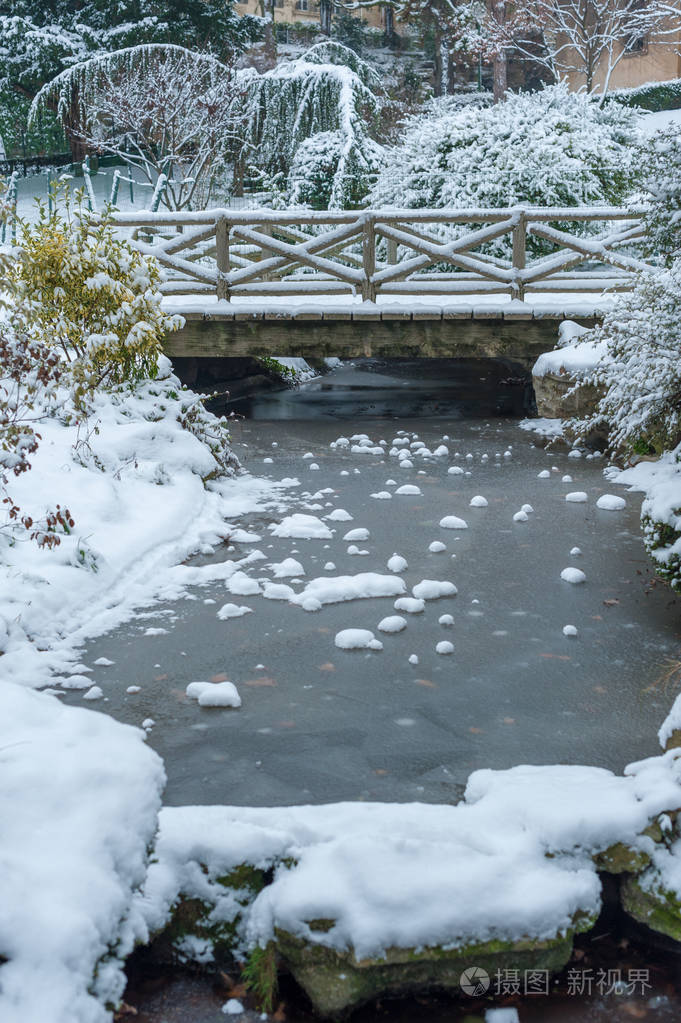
[(328, 91), (29, 379), (641, 376), (661, 166), (549, 148), (89, 295)]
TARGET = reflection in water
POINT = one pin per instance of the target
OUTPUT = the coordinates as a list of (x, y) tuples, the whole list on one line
[(404, 388)]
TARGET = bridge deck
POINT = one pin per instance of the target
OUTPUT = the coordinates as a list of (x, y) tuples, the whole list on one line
[(491, 327)]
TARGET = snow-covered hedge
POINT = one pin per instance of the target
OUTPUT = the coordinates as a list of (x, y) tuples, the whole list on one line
[(549, 148), (651, 96)]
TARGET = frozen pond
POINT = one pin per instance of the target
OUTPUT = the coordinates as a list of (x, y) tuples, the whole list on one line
[(318, 723)]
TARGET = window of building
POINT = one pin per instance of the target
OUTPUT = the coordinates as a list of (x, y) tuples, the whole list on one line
[(302, 5), (636, 44)]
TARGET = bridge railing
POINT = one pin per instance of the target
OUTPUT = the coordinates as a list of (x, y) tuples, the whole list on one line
[(262, 252)]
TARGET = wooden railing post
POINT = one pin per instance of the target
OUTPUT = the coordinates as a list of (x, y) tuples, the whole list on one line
[(369, 259), (519, 254), (266, 253), (392, 251), (222, 256)]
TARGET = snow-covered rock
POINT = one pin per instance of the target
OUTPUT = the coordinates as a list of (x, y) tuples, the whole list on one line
[(573, 575), (301, 527), (357, 639), (431, 589), (611, 502)]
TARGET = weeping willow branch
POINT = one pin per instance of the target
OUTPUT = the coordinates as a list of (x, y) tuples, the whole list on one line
[(161, 108)]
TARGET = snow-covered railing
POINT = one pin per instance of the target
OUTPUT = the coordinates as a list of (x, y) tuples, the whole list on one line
[(234, 253)]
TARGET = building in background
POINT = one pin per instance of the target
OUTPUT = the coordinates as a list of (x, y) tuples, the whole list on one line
[(319, 12)]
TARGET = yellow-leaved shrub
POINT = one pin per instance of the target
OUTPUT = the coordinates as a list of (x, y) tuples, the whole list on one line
[(84, 290)]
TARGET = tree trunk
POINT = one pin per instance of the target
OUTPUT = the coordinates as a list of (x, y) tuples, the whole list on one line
[(437, 59), (72, 126), (500, 68), (389, 23), (325, 12), (445, 67), (270, 47), (500, 65)]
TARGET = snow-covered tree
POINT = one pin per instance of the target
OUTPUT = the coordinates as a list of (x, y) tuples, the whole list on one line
[(166, 111), (549, 148), (641, 375), (660, 161), (582, 38), (329, 91), (40, 40), (454, 26)]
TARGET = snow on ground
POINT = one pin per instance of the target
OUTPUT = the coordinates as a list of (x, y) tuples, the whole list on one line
[(135, 490), (79, 797), (410, 875), (659, 120)]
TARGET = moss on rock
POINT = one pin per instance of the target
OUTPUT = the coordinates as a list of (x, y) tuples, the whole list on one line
[(621, 859), (657, 908), (337, 981)]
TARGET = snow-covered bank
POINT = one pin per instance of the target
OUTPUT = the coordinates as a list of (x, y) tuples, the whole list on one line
[(79, 798), (409, 875), (517, 861), (660, 480), (133, 479)]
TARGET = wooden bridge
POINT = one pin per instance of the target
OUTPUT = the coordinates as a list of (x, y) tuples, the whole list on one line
[(385, 282)]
